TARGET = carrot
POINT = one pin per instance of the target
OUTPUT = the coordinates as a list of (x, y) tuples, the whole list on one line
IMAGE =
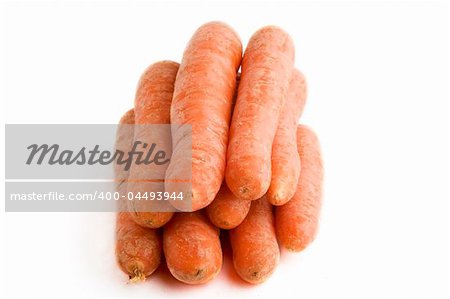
[(255, 248), (202, 99), (138, 250), (192, 248), (297, 220), (227, 211), (266, 70), (152, 106), (285, 159), (123, 142)]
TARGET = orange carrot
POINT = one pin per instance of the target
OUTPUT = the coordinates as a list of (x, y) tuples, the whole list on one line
[(192, 248), (285, 159), (227, 211), (203, 98), (152, 106), (123, 142), (266, 70), (138, 250), (297, 220), (255, 248)]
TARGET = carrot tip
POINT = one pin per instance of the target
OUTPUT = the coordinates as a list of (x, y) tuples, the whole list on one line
[(199, 273), (243, 190), (277, 199), (137, 276)]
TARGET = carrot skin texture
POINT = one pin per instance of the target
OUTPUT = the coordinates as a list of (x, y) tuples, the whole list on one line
[(152, 106), (285, 159), (151, 219), (227, 211), (297, 220), (266, 70), (254, 243), (203, 97), (138, 250), (192, 248)]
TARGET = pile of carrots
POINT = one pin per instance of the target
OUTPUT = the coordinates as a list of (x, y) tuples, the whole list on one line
[(255, 171)]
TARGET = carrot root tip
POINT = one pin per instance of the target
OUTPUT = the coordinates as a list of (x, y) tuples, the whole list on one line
[(243, 190), (137, 276), (199, 272)]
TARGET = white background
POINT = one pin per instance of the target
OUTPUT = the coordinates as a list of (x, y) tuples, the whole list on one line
[(378, 78)]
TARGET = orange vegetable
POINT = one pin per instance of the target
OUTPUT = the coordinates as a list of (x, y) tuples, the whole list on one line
[(227, 211), (192, 248), (254, 243), (297, 220), (285, 159), (152, 106), (266, 70), (123, 142), (138, 250), (202, 98)]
